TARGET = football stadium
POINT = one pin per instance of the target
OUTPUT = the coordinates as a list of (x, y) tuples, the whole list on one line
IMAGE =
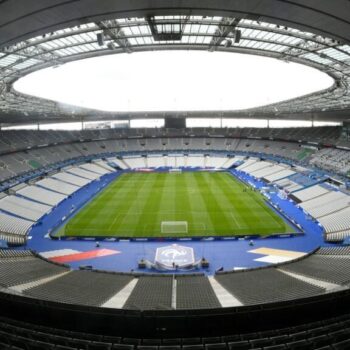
[(174, 175)]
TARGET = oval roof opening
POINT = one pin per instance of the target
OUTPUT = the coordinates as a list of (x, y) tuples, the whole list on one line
[(174, 81)]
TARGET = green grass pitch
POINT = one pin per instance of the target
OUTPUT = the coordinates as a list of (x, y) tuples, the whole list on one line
[(135, 205)]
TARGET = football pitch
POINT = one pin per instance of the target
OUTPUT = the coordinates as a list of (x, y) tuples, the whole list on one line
[(136, 204)]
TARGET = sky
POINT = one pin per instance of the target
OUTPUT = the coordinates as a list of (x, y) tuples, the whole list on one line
[(173, 81)]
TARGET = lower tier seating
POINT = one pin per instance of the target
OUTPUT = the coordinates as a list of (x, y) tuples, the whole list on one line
[(18, 268), (81, 287), (265, 285), (320, 273), (328, 334), (329, 268), (151, 292), (195, 292)]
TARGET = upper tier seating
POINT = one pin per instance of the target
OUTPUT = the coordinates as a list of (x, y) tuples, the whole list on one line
[(63, 145), (334, 160), (25, 139)]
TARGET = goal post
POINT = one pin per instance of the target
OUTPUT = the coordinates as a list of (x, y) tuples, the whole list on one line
[(174, 227), (175, 171)]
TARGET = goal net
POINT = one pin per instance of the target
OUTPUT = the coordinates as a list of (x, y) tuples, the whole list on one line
[(174, 227), (175, 170)]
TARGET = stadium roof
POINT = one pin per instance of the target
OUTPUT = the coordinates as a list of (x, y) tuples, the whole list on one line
[(39, 34)]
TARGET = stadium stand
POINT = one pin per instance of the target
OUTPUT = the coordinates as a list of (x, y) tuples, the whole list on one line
[(18, 268), (246, 164), (155, 292), (151, 293), (57, 186), (335, 160), (34, 159), (81, 287), (24, 208), (269, 284), (342, 250), (118, 162), (302, 304), (315, 335), (306, 178), (135, 162), (329, 203), (26, 274), (336, 222), (232, 161), (195, 160), (278, 175), (310, 193), (71, 179), (215, 162), (13, 229), (256, 167), (24, 139), (170, 161), (86, 174), (271, 169), (288, 185), (328, 268), (195, 292), (104, 165), (95, 169), (41, 195)]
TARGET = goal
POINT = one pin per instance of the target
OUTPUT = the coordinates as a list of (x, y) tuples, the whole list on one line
[(174, 227), (175, 170)]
